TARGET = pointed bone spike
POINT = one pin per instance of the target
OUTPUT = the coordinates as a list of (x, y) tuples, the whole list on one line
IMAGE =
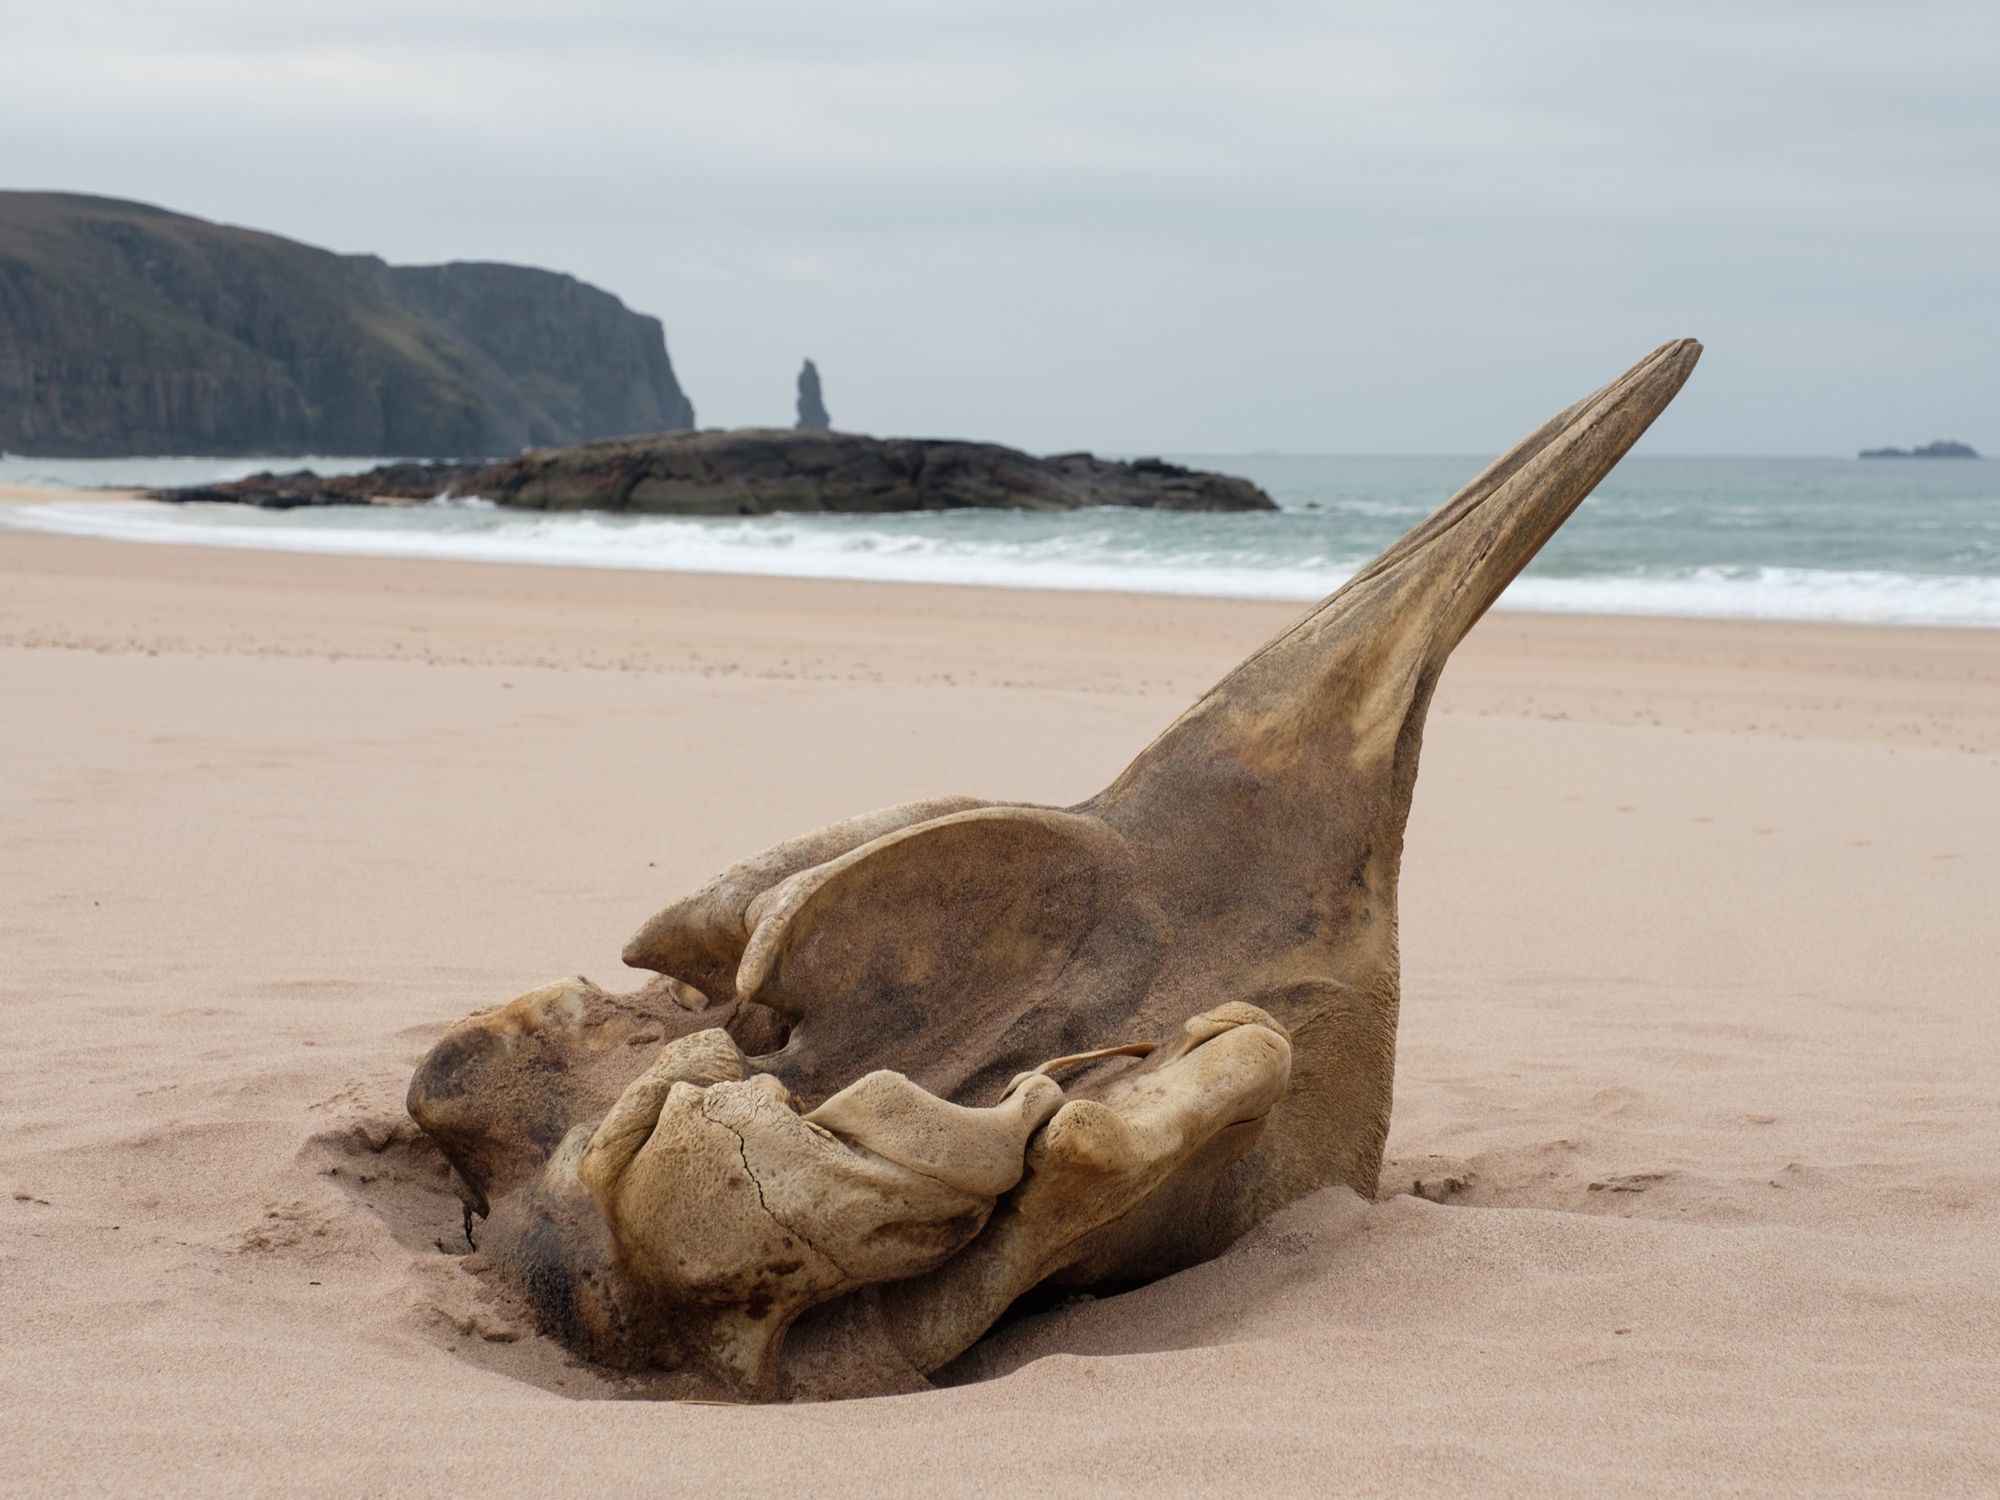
[(1384, 634), (1486, 533)]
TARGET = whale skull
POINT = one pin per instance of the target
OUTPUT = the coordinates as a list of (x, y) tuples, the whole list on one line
[(902, 1070)]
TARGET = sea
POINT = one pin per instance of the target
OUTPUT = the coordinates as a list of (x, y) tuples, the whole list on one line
[(1914, 541)]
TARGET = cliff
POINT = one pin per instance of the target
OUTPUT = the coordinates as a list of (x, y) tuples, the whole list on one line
[(758, 472), (128, 329)]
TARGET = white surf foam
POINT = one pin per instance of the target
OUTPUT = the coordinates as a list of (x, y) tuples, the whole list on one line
[(1078, 556)]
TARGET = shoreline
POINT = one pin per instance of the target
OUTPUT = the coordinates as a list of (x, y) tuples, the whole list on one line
[(34, 494), (385, 548), (1855, 681)]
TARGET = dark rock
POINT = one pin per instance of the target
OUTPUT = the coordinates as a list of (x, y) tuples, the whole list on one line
[(302, 487), (757, 472), (812, 408), (127, 329), (1942, 448)]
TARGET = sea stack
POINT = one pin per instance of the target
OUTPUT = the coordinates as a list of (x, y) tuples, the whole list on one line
[(812, 408)]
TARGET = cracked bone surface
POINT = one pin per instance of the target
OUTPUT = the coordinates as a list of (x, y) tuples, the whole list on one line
[(828, 1148)]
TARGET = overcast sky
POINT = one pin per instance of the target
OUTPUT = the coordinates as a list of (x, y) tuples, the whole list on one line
[(1314, 227)]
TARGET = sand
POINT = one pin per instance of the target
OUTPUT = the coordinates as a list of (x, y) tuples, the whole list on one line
[(1695, 1173), (37, 494)]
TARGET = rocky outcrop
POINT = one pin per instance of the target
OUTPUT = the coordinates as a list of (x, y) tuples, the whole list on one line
[(758, 472), (1942, 448), (812, 405), (300, 488), (128, 329)]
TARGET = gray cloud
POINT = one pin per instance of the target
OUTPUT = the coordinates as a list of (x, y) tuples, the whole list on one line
[(1361, 227)]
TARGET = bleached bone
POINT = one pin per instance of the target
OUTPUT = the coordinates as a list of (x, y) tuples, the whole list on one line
[(824, 1152)]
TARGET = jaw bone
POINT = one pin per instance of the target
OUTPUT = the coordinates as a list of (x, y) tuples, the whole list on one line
[(1235, 886), (738, 1213)]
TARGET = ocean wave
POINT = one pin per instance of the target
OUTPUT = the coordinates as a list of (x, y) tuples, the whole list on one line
[(765, 546), (1126, 553), (143, 473)]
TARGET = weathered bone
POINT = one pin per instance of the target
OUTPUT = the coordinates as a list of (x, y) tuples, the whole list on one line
[(837, 1174)]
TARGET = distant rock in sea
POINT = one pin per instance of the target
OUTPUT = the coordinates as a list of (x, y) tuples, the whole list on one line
[(812, 408), (1942, 448), (762, 471), (128, 329)]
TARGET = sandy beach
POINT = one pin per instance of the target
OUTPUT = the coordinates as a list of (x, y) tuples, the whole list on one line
[(38, 494), (1694, 1180)]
